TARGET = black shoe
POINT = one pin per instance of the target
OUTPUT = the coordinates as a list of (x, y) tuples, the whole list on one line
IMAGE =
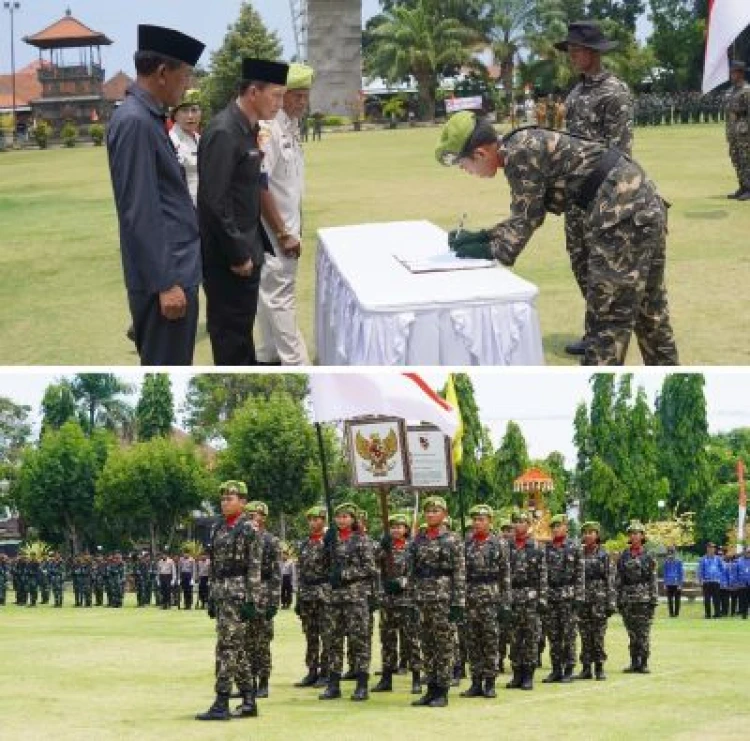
[(457, 670), (321, 681), (555, 675), (262, 692), (249, 708), (501, 667), (585, 672), (567, 676), (218, 711), (517, 681), (416, 684), (634, 667), (737, 193), (333, 688), (745, 196), (427, 698), (643, 667), (440, 698), (527, 682), (361, 693), (599, 672), (130, 334), (489, 687), (386, 682), (309, 680), (476, 688), (350, 676), (578, 347)]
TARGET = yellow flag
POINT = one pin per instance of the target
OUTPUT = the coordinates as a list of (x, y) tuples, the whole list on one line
[(452, 398)]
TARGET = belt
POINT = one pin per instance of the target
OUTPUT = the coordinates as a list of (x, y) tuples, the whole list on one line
[(594, 181), (482, 579)]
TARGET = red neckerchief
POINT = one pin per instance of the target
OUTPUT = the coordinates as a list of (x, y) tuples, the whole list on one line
[(558, 542), (345, 533), (636, 550), (232, 521), (433, 532), (399, 544), (481, 537), (316, 537), (521, 542), (591, 548)]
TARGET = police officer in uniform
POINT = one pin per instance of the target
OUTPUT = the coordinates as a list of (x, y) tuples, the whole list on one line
[(159, 236), (281, 204), (230, 181)]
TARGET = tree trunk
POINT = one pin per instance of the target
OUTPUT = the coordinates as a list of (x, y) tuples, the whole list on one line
[(282, 527), (427, 94)]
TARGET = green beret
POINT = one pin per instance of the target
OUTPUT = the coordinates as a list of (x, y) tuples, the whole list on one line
[(398, 518), (520, 516), (636, 526), (559, 520), (316, 512), (347, 508), (300, 77), (506, 524), (481, 510), (591, 525), (454, 137), (434, 502), (257, 506), (234, 487)]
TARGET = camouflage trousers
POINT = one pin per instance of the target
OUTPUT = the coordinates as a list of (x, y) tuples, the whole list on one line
[(503, 643), (403, 621), (592, 627), (575, 244), (3, 591), (99, 593), (524, 640), (438, 640), (637, 618), (312, 615), (258, 645), (33, 591), (44, 589), (739, 153), (559, 626), (57, 591), (371, 631), (141, 592), (626, 292), (232, 664), (352, 621), (482, 638)]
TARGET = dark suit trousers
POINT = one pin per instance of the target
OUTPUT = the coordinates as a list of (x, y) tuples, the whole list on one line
[(231, 305), (158, 340)]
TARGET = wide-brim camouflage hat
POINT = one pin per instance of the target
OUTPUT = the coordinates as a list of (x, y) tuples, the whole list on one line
[(316, 512), (588, 35), (481, 510), (636, 526), (192, 97), (438, 502), (347, 508), (455, 137), (233, 486), (300, 77), (520, 516), (591, 525), (257, 506), (398, 519), (505, 524), (559, 520)]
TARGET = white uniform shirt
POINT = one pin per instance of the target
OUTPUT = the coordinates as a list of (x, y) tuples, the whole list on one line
[(186, 146)]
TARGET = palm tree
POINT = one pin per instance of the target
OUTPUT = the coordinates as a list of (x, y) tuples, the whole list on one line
[(98, 396), (423, 42)]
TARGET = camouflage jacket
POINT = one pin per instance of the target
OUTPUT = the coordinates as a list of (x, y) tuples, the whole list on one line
[(437, 569), (115, 573), (599, 580), (394, 565), (55, 573), (270, 570), (376, 584), (235, 562), (82, 572), (528, 574), (601, 107), (99, 573), (546, 171), (142, 571), (636, 579), (354, 560), (33, 572), (565, 573), (312, 570), (738, 112), (487, 570)]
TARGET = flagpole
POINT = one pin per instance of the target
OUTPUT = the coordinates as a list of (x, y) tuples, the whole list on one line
[(742, 506), (389, 563), (324, 467)]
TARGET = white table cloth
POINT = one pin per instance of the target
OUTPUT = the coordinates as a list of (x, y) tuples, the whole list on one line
[(371, 310)]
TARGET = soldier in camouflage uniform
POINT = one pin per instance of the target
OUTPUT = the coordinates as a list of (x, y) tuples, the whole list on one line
[(599, 602), (143, 580), (56, 575), (347, 613), (87, 579), (637, 597), (565, 594), (4, 577), (528, 576), (738, 129), (312, 581), (625, 229), (398, 614), (235, 592), (44, 580), (260, 629), (99, 578), (116, 577), (599, 107), (506, 533), (487, 600), (437, 583), (33, 579)]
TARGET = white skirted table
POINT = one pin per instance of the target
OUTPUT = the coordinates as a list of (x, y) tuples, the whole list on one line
[(372, 310)]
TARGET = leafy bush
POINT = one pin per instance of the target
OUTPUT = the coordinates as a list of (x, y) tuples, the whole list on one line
[(69, 134), (96, 132), (41, 134), (336, 121)]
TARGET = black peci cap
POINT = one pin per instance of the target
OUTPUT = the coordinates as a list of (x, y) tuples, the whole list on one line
[(264, 70), (170, 43)]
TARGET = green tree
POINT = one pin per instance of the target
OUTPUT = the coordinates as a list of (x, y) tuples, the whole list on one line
[(15, 430), (511, 460), (584, 454), (718, 515), (247, 37), (155, 410), (99, 397), (58, 405), (608, 500), (603, 428)]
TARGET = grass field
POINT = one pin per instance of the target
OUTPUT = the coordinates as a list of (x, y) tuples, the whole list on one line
[(76, 674), (62, 299)]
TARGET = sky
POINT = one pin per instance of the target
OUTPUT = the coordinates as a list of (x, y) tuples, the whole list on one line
[(542, 401), (118, 19)]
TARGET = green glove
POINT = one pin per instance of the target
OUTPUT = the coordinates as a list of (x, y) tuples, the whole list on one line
[(248, 611), (476, 250), (456, 614), (456, 237), (271, 613)]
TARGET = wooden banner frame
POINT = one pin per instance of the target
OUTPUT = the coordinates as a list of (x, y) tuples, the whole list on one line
[(352, 426), (449, 468)]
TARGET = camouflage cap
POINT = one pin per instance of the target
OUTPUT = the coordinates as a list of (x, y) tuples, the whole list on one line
[(591, 525), (636, 526), (481, 510), (316, 511), (559, 520), (191, 97), (257, 506), (505, 524), (438, 502), (234, 487), (520, 516), (347, 508), (398, 518), (454, 137)]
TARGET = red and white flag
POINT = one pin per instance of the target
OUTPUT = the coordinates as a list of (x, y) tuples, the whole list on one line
[(338, 396), (742, 506), (727, 19)]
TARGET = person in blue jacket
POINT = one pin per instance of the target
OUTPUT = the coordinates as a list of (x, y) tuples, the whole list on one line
[(710, 570), (733, 585), (743, 577), (674, 576)]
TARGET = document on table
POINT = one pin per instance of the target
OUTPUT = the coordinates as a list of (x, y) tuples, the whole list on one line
[(444, 262)]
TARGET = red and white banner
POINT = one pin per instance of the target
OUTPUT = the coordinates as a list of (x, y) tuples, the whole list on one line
[(727, 19), (406, 395), (742, 506), (474, 103)]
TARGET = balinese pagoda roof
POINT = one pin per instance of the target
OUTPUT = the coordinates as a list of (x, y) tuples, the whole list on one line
[(67, 33), (533, 475)]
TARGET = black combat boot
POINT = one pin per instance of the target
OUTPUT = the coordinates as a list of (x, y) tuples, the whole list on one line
[(386, 682), (309, 680), (333, 688), (501, 667), (476, 688), (599, 671), (428, 696), (416, 683), (361, 693), (643, 666), (350, 676), (262, 688), (489, 687), (218, 711), (440, 698), (322, 680), (555, 675), (577, 347), (634, 665), (456, 675), (585, 672), (567, 676), (517, 680), (402, 666), (527, 681), (249, 708)]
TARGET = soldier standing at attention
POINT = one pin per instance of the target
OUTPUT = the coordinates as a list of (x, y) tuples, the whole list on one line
[(598, 604), (487, 600), (235, 591), (87, 578), (117, 571), (351, 566), (738, 128), (528, 575), (637, 597), (599, 107), (4, 577), (33, 579), (44, 580), (565, 594), (312, 585), (260, 630), (437, 583), (56, 573), (506, 533), (188, 577), (204, 570), (99, 579)]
